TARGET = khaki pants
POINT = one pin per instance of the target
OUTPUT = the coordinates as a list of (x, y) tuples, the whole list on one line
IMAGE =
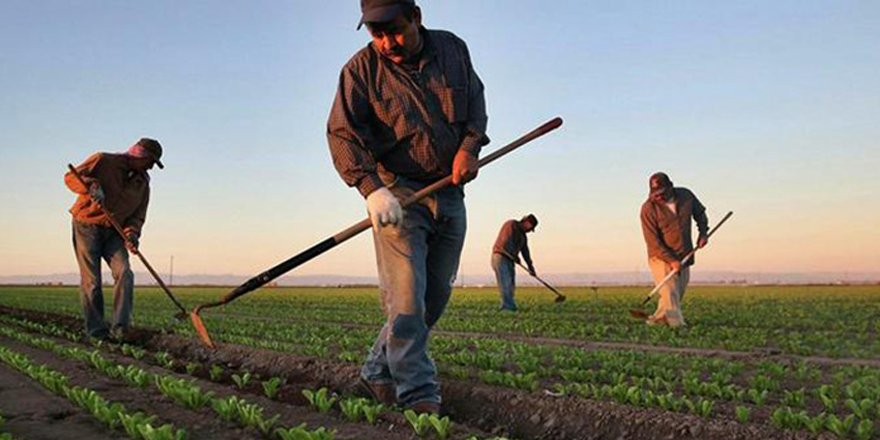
[(671, 293)]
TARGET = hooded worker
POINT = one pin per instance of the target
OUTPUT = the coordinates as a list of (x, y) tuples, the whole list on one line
[(666, 225), (512, 242), (119, 183)]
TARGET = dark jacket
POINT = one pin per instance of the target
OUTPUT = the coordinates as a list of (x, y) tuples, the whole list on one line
[(668, 234), (391, 120), (512, 241), (126, 192)]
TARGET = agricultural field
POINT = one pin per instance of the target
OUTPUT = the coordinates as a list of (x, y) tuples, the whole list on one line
[(753, 363)]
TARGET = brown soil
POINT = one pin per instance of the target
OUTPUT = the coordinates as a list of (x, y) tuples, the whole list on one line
[(33, 413), (500, 411)]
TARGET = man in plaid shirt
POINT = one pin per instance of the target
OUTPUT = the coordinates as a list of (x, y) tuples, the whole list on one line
[(409, 110)]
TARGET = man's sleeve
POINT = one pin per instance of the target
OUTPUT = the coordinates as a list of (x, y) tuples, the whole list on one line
[(135, 222), (654, 239), (527, 255), (350, 136), (86, 170), (699, 213), (475, 128)]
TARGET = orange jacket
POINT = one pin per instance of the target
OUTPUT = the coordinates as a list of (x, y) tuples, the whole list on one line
[(126, 192)]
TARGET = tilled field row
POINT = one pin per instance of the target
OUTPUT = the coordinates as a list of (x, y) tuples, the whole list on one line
[(521, 414), (202, 423)]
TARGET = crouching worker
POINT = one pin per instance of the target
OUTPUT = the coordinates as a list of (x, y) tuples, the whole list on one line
[(512, 242), (120, 183)]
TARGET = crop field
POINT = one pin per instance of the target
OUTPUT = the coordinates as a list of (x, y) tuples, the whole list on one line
[(753, 363)]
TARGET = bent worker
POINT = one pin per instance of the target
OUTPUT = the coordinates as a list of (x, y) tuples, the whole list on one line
[(409, 110), (512, 242), (666, 224), (120, 183)]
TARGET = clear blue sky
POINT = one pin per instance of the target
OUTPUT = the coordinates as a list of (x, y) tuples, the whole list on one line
[(769, 109)]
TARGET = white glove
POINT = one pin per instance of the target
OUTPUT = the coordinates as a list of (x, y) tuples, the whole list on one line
[(384, 208)]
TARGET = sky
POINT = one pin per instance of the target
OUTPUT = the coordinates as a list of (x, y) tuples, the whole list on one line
[(766, 109)]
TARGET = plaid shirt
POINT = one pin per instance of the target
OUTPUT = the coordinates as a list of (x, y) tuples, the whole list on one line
[(390, 120)]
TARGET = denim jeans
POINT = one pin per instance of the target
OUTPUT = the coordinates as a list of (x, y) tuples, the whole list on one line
[(91, 243), (505, 275), (417, 262)]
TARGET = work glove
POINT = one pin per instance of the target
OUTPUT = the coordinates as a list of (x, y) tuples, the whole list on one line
[(384, 208), (133, 242), (96, 193), (532, 271), (464, 167)]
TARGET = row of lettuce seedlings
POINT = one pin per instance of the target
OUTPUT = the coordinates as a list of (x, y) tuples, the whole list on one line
[(137, 425), (858, 424), (232, 409)]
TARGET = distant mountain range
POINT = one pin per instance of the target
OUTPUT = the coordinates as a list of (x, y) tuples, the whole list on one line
[(562, 279)]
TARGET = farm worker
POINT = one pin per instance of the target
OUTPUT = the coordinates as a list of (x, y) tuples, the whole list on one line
[(666, 225), (510, 243), (409, 110), (121, 184)]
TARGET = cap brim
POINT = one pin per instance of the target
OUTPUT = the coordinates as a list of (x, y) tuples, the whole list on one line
[(159, 164), (381, 15)]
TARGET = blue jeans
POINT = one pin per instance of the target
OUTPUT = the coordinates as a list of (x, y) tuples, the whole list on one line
[(417, 262), (91, 243), (505, 276)]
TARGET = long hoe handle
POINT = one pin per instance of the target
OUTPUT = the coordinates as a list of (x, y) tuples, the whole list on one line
[(180, 315), (683, 261), (324, 246), (559, 297)]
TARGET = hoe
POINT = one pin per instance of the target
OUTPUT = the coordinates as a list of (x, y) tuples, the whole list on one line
[(324, 246), (640, 314), (181, 315), (559, 297)]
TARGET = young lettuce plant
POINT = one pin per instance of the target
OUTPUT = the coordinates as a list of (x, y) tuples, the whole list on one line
[(864, 430), (441, 426), (351, 409), (131, 422), (302, 433), (241, 380), (371, 412), (215, 373), (321, 399), (163, 358), (743, 413), (165, 432), (419, 422), (272, 386)]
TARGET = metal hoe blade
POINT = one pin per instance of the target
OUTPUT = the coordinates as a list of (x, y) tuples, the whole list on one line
[(199, 325)]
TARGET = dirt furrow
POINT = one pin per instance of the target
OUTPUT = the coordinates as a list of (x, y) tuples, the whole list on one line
[(33, 413), (500, 411)]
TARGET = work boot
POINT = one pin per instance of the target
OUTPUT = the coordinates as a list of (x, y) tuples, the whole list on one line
[(384, 393), (426, 408)]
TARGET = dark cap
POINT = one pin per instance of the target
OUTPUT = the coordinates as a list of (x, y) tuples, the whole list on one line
[(531, 219), (663, 182), (379, 11), (146, 147)]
